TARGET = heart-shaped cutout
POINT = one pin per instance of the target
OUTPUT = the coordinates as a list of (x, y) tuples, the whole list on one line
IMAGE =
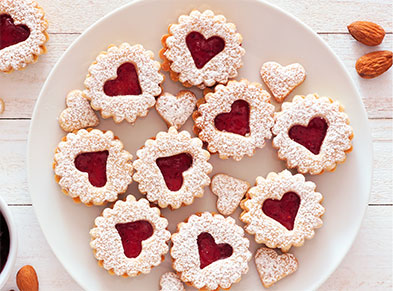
[(10, 33), (282, 80), (94, 164), (78, 113), (284, 211), (126, 83), (171, 282), (203, 50), (209, 251), (172, 169), (310, 136), (272, 267), (132, 234), (237, 120), (175, 110), (229, 191)]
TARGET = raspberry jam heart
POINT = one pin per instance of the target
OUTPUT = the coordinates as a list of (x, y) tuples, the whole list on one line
[(203, 50), (126, 83), (237, 121), (310, 136), (284, 210), (132, 234), (10, 33), (209, 251), (94, 164), (172, 169)]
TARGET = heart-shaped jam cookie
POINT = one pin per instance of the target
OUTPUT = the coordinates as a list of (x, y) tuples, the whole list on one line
[(171, 282), (126, 83), (172, 169), (95, 165), (209, 251), (237, 120), (310, 136), (10, 33), (203, 50), (132, 234), (130, 238)]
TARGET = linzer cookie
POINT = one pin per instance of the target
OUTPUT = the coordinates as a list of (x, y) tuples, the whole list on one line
[(282, 210), (172, 168), (202, 49), (312, 134), (22, 34), (123, 82), (171, 282), (92, 167), (282, 80), (130, 238), (273, 267), (210, 251), (78, 113), (235, 119)]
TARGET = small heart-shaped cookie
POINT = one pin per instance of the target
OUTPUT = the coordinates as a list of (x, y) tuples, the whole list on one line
[(272, 267), (175, 110), (171, 282), (229, 191), (78, 113), (282, 80)]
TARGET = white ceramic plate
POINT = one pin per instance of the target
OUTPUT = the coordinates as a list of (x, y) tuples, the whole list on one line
[(269, 34)]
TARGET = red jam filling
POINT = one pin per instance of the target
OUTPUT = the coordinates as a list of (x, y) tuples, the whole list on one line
[(284, 210), (203, 50), (172, 169), (237, 121), (94, 164), (132, 234), (310, 136), (10, 33), (126, 83), (209, 251)]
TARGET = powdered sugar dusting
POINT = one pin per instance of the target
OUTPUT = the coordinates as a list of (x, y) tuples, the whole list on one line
[(78, 114), (25, 12), (76, 183), (171, 282), (107, 244), (271, 232), (175, 110), (228, 144), (229, 191), (105, 68), (272, 267), (335, 145), (221, 67), (220, 274), (282, 80), (148, 174)]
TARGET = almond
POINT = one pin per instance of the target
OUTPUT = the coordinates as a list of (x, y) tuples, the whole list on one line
[(26, 279), (366, 32), (374, 64)]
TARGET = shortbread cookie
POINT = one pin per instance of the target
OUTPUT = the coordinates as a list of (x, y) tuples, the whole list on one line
[(229, 191), (2, 106), (78, 113), (272, 267), (123, 82), (282, 80), (171, 282), (282, 210), (235, 120), (172, 168), (175, 110), (130, 238), (210, 251), (202, 49), (92, 167), (22, 34), (312, 134)]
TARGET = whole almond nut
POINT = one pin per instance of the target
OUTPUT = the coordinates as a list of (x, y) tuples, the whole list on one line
[(366, 32), (374, 64), (26, 279)]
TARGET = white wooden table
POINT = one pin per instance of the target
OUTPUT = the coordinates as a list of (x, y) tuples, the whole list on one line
[(368, 266)]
